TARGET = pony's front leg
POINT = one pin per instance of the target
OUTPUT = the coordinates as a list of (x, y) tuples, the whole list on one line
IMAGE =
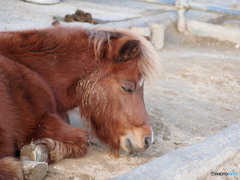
[(59, 150), (61, 139)]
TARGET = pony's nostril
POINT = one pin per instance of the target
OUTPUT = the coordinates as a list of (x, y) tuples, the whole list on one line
[(147, 142)]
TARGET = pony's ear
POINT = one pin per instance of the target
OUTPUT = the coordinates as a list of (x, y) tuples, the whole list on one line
[(128, 50)]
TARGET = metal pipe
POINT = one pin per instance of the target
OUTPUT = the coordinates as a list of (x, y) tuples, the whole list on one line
[(213, 8), (198, 7), (162, 2)]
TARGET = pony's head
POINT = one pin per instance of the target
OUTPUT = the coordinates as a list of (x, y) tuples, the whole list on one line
[(112, 97)]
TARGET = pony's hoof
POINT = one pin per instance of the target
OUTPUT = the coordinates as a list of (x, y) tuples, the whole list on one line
[(35, 152), (33, 170)]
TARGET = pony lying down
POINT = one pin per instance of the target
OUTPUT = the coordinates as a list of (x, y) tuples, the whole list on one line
[(44, 73)]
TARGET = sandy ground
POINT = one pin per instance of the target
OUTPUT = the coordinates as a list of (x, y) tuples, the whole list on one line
[(197, 96)]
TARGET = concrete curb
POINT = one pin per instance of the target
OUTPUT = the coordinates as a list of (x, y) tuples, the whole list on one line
[(193, 162), (219, 32)]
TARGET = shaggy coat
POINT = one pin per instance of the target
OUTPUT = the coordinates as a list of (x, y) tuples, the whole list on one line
[(44, 73)]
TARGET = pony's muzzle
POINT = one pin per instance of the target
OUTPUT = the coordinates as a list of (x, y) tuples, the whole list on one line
[(134, 142)]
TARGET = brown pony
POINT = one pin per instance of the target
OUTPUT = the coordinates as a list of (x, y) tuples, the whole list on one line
[(44, 73)]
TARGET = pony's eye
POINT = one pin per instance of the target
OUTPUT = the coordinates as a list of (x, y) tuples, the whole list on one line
[(126, 89), (128, 86)]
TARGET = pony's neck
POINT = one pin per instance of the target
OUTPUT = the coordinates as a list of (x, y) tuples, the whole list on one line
[(60, 56)]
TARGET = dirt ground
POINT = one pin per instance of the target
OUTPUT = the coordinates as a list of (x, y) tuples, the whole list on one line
[(197, 96)]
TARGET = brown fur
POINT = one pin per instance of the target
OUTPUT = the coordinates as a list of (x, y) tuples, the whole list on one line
[(44, 73), (10, 169)]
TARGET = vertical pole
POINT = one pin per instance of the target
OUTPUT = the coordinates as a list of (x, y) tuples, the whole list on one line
[(181, 6), (157, 35)]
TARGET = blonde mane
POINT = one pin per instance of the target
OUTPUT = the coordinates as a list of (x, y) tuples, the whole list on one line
[(149, 62)]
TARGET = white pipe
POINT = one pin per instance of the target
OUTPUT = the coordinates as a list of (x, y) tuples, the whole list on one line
[(198, 6)]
